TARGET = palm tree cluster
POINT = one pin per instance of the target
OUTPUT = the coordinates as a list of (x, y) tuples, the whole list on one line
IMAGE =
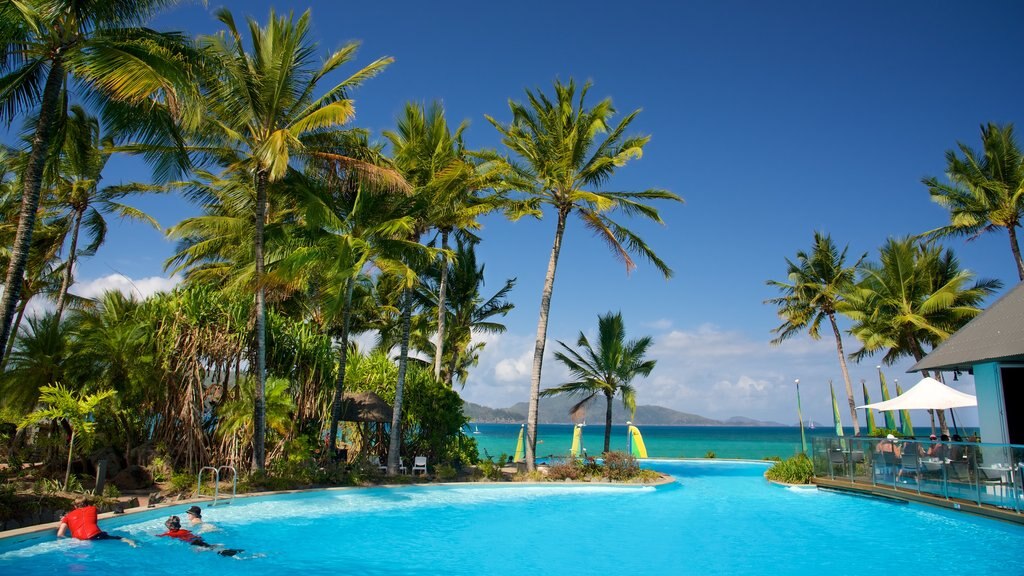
[(308, 233), (916, 295)]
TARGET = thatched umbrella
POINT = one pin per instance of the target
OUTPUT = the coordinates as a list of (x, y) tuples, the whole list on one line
[(364, 407), (369, 408)]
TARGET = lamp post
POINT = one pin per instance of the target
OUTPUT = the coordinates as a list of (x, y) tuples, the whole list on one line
[(800, 416)]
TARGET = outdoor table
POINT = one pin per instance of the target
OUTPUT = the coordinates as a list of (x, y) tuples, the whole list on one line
[(1003, 473)]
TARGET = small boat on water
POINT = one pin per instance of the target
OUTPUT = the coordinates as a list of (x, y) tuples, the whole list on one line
[(476, 429)]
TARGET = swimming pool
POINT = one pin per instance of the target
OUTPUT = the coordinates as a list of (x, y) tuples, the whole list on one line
[(722, 518)]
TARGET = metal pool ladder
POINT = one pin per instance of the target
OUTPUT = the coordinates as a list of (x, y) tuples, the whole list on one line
[(216, 482)]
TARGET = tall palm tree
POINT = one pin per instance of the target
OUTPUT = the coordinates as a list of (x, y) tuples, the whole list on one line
[(263, 109), (346, 234), (816, 285), (84, 155), (99, 48), (425, 152), (466, 309), (986, 190), (912, 300), (608, 370), (567, 152)]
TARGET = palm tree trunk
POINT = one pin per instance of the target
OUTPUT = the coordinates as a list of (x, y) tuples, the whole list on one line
[(259, 401), (846, 374), (608, 425), (66, 283), (33, 182), (339, 386), (538, 348), (71, 451), (395, 444), (943, 426), (14, 333), (441, 316), (1015, 248)]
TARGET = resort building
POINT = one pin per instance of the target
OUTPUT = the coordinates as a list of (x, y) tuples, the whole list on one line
[(991, 347)]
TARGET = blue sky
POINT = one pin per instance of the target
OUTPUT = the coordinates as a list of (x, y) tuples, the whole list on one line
[(772, 120)]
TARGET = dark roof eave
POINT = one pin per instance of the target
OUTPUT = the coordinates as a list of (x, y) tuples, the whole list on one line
[(961, 365)]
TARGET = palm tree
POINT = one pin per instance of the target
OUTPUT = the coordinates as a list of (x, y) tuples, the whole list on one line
[(98, 47), (263, 109), (912, 300), (466, 309), (816, 285), (986, 190), (76, 409), (608, 370), (425, 153), (568, 151), (85, 154)]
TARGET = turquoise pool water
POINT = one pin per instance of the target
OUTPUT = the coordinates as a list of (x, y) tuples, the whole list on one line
[(722, 518)]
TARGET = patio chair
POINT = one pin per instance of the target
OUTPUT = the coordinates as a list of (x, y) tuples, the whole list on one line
[(910, 463), (836, 459), (376, 462), (419, 463), (884, 464)]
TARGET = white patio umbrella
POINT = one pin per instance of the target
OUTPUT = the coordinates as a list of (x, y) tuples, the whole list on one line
[(928, 394)]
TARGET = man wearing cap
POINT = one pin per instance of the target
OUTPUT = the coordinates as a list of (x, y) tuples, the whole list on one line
[(174, 530)]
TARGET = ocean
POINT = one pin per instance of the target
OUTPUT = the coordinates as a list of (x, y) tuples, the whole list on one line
[(747, 442)]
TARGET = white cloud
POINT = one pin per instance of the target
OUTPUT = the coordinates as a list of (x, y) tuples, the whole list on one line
[(141, 288)]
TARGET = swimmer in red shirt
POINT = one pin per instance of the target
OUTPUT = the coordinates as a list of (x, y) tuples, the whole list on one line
[(82, 524), (174, 530)]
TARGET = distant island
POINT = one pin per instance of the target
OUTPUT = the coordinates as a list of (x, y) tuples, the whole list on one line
[(555, 410)]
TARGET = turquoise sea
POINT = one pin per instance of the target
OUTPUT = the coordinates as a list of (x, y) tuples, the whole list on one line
[(748, 442)]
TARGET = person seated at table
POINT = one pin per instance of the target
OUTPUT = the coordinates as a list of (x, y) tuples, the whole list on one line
[(940, 449)]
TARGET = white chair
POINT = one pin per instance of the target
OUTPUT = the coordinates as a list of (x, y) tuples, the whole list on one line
[(419, 463), (376, 462)]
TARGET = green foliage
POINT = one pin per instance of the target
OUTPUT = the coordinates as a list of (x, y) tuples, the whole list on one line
[(710, 454), (490, 469), (795, 470), (111, 491), (182, 483), (883, 432), (160, 469), (75, 409), (445, 472), (772, 458)]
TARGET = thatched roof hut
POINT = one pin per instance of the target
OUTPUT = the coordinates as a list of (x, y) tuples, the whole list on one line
[(365, 407)]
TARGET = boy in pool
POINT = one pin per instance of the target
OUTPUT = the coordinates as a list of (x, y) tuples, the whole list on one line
[(82, 524), (195, 519), (174, 530)]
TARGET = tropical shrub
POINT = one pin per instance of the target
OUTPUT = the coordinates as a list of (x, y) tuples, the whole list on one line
[(490, 469), (795, 470), (565, 470), (710, 454), (620, 466)]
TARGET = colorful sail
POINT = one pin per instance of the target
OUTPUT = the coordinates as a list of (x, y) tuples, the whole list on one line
[(577, 434), (800, 416), (906, 428), (636, 443), (890, 420), (519, 446), (868, 414), (835, 410)]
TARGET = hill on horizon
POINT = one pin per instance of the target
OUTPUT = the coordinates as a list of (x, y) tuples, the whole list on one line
[(555, 410)]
